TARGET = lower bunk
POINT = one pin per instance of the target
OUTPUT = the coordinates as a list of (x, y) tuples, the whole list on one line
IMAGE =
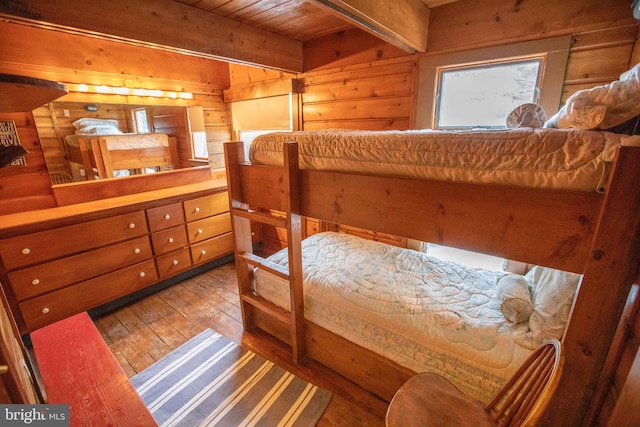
[(377, 313)]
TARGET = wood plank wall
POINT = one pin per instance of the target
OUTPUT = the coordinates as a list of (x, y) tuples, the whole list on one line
[(27, 187)]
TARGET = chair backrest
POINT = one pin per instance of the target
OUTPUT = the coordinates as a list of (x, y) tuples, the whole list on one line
[(523, 399), (60, 178)]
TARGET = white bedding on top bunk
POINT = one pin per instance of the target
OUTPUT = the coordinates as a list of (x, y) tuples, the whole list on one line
[(566, 159), (422, 312)]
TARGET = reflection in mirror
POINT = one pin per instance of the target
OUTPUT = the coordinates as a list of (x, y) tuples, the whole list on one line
[(83, 141)]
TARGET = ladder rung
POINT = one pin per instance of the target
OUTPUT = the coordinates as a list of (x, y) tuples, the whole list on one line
[(270, 308), (265, 264), (263, 218)]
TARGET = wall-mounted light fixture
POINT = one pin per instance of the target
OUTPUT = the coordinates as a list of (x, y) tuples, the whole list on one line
[(127, 91)]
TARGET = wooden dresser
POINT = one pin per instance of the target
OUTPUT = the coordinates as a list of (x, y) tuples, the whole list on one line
[(62, 261)]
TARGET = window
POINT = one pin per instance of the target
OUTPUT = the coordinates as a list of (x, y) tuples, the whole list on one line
[(484, 95), (543, 60), (461, 256), (198, 132), (254, 117), (247, 137), (441, 76), (141, 120)]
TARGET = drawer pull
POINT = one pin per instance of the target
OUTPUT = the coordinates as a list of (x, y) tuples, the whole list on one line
[(167, 216), (136, 250), (142, 274), (203, 252), (175, 262), (35, 282), (26, 251), (196, 210), (199, 230), (170, 239), (45, 310), (132, 225)]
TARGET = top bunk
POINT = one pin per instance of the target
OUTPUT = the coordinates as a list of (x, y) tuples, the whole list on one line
[(532, 195), (103, 151)]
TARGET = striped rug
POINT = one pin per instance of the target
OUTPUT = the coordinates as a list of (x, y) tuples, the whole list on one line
[(210, 381)]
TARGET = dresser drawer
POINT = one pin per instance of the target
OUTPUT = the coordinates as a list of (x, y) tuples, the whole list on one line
[(209, 227), (59, 242), (169, 240), (54, 306), (203, 207), (173, 263), (32, 281), (166, 216), (212, 248)]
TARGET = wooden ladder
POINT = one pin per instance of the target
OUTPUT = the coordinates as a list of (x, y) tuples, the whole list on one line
[(246, 260)]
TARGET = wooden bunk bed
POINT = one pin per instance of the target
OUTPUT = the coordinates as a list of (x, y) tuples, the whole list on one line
[(101, 155), (579, 230)]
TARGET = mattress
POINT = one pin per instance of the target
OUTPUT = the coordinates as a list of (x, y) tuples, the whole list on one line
[(422, 312), (566, 159), (125, 141)]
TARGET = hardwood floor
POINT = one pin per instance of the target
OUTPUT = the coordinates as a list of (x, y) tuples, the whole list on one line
[(146, 330)]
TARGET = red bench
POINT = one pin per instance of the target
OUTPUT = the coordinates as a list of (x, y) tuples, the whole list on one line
[(78, 368)]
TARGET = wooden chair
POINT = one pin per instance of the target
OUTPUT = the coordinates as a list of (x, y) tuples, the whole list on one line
[(429, 400), (60, 178)]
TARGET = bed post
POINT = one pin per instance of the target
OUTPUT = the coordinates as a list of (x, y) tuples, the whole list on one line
[(294, 243), (610, 271), (240, 226)]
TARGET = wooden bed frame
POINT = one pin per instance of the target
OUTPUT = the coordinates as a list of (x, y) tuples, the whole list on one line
[(593, 234), (98, 162)]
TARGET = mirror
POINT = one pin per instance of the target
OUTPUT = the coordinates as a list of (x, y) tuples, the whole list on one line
[(67, 133)]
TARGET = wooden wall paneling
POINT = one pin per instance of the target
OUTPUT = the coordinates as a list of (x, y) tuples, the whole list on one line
[(469, 24), (598, 64), (15, 195), (372, 96), (173, 121), (354, 71), (240, 75), (365, 124), (370, 108), (394, 84), (599, 57)]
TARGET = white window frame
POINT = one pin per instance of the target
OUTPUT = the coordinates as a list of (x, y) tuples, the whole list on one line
[(137, 122), (539, 59), (554, 50)]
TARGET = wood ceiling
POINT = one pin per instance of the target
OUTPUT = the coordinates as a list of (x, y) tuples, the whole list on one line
[(297, 19), (268, 33)]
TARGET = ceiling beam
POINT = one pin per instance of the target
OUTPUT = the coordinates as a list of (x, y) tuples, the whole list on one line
[(402, 23), (162, 24)]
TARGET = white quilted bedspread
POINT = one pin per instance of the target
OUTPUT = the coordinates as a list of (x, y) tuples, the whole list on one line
[(125, 141), (567, 159), (424, 313)]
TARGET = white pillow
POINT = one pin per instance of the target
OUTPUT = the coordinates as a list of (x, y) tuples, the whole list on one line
[(514, 297), (552, 293), (96, 126)]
